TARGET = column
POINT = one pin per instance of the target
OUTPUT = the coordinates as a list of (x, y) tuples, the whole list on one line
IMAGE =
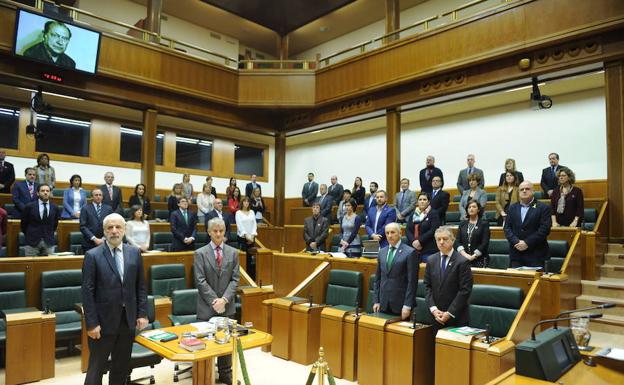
[(152, 22), (282, 49), (393, 13), (280, 178), (148, 152), (393, 151), (614, 90)]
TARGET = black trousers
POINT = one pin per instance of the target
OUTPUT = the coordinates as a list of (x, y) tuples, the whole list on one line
[(527, 262), (119, 347)]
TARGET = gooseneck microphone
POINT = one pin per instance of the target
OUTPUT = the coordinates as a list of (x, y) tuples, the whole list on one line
[(592, 315), (595, 307)]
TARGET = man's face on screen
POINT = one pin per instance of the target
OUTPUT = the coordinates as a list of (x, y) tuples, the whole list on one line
[(56, 39)]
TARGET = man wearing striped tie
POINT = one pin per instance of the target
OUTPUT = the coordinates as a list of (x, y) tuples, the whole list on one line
[(91, 220)]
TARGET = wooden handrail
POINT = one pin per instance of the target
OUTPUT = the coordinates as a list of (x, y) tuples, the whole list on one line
[(570, 253), (524, 309), (601, 215), (309, 279), (246, 277), (461, 8)]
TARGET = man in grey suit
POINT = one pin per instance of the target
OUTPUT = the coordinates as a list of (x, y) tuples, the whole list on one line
[(326, 202), (397, 275), (216, 277), (448, 283), (404, 201), (462, 179), (309, 191), (315, 229)]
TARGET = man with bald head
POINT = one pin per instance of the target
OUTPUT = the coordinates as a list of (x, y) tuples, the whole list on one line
[(335, 190), (91, 220), (526, 228), (112, 194)]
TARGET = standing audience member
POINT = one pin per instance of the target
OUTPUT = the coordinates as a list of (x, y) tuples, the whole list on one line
[(549, 179), (448, 283), (309, 191), (219, 213), (73, 198), (526, 228), (7, 174), (335, 190), (340, 212), (421, 226), (234, 201), (247, 230), (350, 243), (91, 220), (183, 227), (138, 229), (325, 202), (3, 225), (187, 187), (177, 192), (378, 217), (45, 172), (213, 191), (251, 186), (205, 203), (394, 290), (506, 195), (370, 200), (440, 199), (257, 204), (216, 270), (462, 179), (474, 193), (39, 222), (473, 236), (566, 201), (139, 198), (315, 229), (115, 303), (229, 190), (427, 174), (25, 191), (359, 191), (404, 201), (112, 194), (510, 166)]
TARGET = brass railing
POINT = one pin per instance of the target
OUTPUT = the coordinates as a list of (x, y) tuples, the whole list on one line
[(278, 64)]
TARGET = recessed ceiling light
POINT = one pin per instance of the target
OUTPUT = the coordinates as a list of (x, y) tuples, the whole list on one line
[(324, 28)]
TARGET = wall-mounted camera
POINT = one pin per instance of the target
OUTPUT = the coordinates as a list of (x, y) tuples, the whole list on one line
[(38, 105), (539, 101)]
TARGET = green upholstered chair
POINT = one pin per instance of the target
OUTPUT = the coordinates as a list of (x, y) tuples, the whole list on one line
[(371, 293), (491, 197), (166, 278), (10, 209), (335, 243), (452, 218), (490, 216), (538, 194), (558, 252), (423, 315), (3, 251), (161, 214), (232, 239), (12, 296), (156, 197), (496, 306), (456, 198), (21, 238), (76, 240), (344, 289), (61, 291), (590, 216), (183, 306), (126, 213), (58, 192), (499, 254), (162, 240), (201, 239)]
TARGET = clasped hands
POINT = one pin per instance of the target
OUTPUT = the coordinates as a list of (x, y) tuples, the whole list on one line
[(218, 304), (189, 240), (521, 246), (441, 317), (405, 313)]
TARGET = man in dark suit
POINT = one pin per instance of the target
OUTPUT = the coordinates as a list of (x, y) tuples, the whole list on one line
[(378, 217), (448, 283), (325, 202), (216, 269), (397, 275), (549, 179), (315, 229), (25, 191), (218, 212), (440, 199), (91, 221), (370, 199), (526, 228), (309, 191), (7, 174), (335, 190), (462, 179), (114, 301), (3, 225), (112, 194), (183, 227), (251, 186), (427, 173), (39, 221)]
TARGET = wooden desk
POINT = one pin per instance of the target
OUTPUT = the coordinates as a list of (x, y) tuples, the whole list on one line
[(203, 360), (305, 331), (371, 355), (339, 340), (251, 302), (580, 374), (409, 354)]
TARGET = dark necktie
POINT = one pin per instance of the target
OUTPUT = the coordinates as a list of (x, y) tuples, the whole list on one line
[(434, 194), (554, 170), (443, 267), (98, 210), (45, 211), (391, 256), (219, 256)]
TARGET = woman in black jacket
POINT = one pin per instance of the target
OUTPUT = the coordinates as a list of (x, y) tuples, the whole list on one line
[(421, 227), (473, 236)]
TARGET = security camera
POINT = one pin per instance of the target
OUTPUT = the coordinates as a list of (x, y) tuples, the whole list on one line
[(39, 105), (537, 100)]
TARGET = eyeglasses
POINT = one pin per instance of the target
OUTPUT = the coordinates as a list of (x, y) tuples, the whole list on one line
[(55, 35)]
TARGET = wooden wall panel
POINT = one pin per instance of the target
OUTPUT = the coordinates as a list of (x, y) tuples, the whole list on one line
[(275, 90)]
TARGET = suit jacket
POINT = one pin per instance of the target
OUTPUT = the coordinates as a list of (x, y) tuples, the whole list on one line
[(308, 193), (369, 202), (104, 295), (335, 192), (68, 202), (359, 195), (22, 197), (395, 286), (213, 282), (34, 228), (426, 232), (3, 224), (480, 196), (318, 233), (147, 207), (227, 218), (91, 225), (326, 206), (180, 230), (462, 179), (519, 178), (249, 189), (425, 184), (388, 215), (451, 291), (117, 202), (549, 180), (503, 198), (479, 239), (534, 231), (7, 177), (405, 206), (440, 203)]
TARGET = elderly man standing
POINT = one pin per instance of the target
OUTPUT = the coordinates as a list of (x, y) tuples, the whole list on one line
[(404, 201)]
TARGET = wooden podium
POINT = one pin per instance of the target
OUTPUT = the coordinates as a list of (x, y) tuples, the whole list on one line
[(281, 324), (370, 355), (305, 331), (251, 303), (162, 308), (339, 341), (30, 345), (408, 354)]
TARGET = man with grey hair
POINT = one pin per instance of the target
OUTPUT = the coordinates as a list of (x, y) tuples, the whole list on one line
[(115, 302), (217, 274), (462, 179), (91, 220), (397, 275), (448, 283), (427, 174), (112, 194), (335, 190)]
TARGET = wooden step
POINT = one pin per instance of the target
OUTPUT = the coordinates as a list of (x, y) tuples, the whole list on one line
[(601, 339), (614, 259), (604, 287), (617, 248), (589, 300), (608, 324), (612, 271)]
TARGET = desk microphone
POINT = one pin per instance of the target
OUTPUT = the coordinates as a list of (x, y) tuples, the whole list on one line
[(608, 305), (260, 283), (414, 318), (488, 331), (46, 309), (589, 316), (357, 308), (310, 300)]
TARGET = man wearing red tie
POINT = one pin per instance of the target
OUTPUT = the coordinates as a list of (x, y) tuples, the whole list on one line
[(25, 191), (112, 194)]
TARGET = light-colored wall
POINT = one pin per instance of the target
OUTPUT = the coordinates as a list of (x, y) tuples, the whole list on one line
[(575, 127)]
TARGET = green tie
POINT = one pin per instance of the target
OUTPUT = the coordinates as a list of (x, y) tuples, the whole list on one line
[(390, 257), (185, 216)]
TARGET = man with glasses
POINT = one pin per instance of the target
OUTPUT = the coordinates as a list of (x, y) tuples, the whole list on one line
[(51, 49)]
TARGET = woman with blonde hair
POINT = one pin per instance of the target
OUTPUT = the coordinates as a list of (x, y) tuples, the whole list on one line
[(510, 165)]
